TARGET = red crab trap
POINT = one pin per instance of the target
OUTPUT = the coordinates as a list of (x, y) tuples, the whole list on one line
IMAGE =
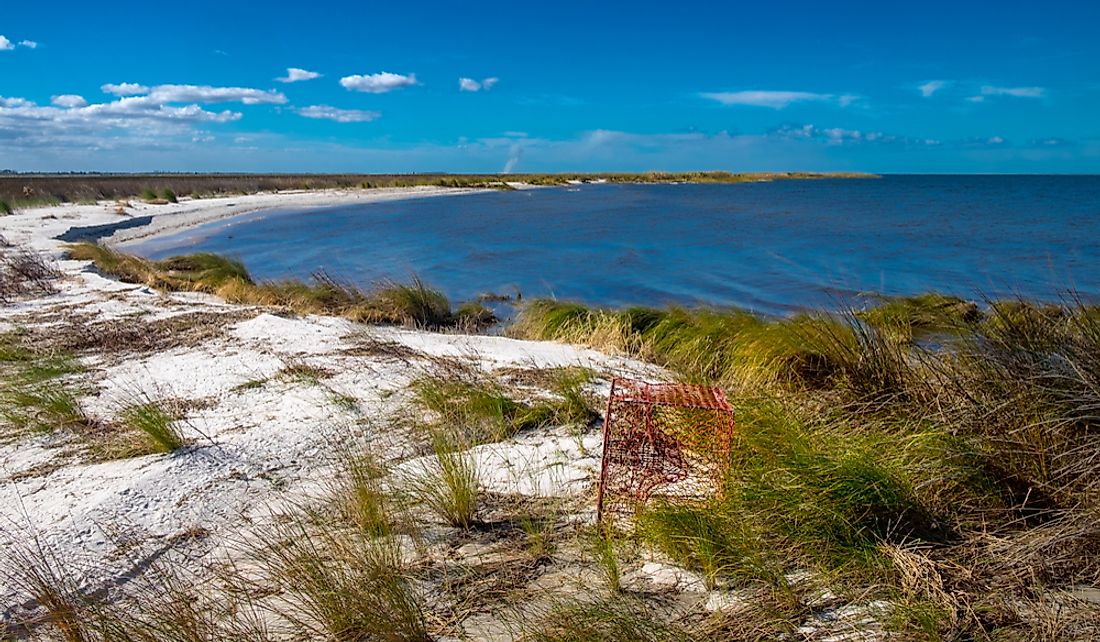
[(662, 441)]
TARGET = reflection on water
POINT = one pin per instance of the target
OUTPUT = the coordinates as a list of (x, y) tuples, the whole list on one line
[(770, 247)]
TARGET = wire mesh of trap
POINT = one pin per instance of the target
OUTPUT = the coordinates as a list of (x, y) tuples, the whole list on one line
[(662, 440)]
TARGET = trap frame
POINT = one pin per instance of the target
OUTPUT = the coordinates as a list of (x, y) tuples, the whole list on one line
[(662, 440)]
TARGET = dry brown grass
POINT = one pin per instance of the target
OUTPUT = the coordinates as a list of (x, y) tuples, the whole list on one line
[(25, 272)]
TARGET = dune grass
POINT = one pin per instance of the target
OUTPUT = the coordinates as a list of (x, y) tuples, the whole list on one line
[(615, 620), (36, 388), (449, 482), (412, 304), (603, 542), (486, 411), (965, 433), (922, 315), (357, 493), (724, 346), (341, 585), (156, 422), (6, 209)]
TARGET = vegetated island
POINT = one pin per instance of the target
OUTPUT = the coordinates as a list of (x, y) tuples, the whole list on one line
[(192, 454)]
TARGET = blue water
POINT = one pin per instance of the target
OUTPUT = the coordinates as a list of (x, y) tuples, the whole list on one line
[(770, 247)]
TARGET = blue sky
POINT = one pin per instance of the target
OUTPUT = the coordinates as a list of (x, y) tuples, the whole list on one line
[(401, 87)]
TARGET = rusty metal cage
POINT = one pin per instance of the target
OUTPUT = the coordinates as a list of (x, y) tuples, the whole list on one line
[(662, 440)]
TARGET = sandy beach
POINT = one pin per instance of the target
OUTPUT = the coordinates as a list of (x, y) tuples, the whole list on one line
[(259, 441)]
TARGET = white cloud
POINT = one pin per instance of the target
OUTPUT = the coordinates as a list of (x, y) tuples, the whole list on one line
[(29, 44), (325, 112), (129, 121), (69, 101), (294, 74), (932, 86), (1015, 92), (162, 94), (15, 102), (5, 44), (775, 99), (469, 84), (125, 89), (842, 136), (379, 83)]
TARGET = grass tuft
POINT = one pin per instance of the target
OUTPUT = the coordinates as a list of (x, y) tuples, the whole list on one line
[(44, 407), (449, 483), (486, 412), (415, 304), (341, 585), (156, 423)]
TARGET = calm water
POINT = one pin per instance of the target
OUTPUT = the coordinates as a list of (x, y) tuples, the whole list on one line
[(770, 247)]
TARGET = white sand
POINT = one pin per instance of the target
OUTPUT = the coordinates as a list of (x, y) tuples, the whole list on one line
[(252, 448)]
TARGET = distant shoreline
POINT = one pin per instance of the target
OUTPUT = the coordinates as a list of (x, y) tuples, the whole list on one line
[(145, 220), (22, 191)]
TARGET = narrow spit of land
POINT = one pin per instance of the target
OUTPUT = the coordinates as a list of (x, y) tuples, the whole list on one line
[(28, 190)]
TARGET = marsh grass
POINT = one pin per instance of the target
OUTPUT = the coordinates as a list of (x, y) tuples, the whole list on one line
[(40, 189)]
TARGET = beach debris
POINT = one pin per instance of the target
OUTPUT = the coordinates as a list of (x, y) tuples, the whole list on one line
[(662, 440)]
